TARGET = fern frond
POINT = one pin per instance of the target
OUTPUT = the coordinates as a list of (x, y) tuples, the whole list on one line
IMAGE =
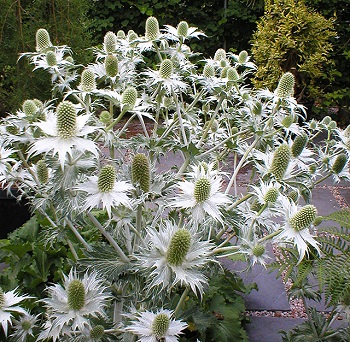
[(341, 216)]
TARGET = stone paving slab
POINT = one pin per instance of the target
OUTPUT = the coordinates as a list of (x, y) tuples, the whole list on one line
[(266, 329), (271, 294)]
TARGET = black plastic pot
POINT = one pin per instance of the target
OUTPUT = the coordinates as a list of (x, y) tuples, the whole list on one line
[(13, 213)]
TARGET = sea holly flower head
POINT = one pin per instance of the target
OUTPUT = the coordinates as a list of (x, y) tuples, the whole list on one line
[(152, 28), (71, 306), (175, 256), (9, 305), (105, 190), (42, 38), (297, 226), (141, 172), (201, 195), (24, 327), (64, 130), (154, 327), (110, 42), (285, 87)]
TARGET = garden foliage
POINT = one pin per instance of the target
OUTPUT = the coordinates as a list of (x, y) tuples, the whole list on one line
[(141, 241)]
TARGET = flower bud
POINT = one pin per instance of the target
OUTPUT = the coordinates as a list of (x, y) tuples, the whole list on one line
[(271, 195), (42, 171), (339, 163), (280, 161), (97, 332), (182, 29), (299, 144), (111, 65), (219, 55), (160, 325), (106, 117), (303, 218), (106, 178), (110, 42), (87, 82), (208, 71), (152, 28), (140, 172), (258, 250), (51, 58), (232, 74), (76, 295), (29, 108), (285, 86), (202, 190), (129, 98), (243, 57), (66, 120), (178, 247), (166, 69), (42, 38)]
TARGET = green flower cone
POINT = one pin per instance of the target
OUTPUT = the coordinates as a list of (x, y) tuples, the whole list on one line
[(280, 161), (66, 120), (299, 144), (76, 295), (160, 325), (110, 42), (303, 218), (87, 82), (106, 178), (285, 86), (140, 172), (129, 98), (111, 65), (43, 41), (178, 247), (152, 28), (166, 69)]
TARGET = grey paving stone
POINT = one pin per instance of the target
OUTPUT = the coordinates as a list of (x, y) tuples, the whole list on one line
[(265, 329), (271, 294), (324, 200), (345, 193)]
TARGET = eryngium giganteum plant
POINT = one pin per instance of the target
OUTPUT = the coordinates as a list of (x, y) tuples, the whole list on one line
[(145, 230)]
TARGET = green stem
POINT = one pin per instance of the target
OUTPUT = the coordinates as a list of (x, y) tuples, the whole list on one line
[(78, 235), (181, 301), (178, 111), (270, 236), (108, 237), (241, 200), (184, 165), (240, 164), (71, 247), (205, 133)]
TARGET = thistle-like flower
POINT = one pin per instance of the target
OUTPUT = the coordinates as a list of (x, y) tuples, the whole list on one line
[(140, 172), (8, 305), (280, 161), (87, 82), (175, 256), (154, 327), (23, 327), (71, 306), (110, 42), (64, 129), (297, 226), (285, 86), (152, 29), (106, 190), (42, 38), (201, 195)]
